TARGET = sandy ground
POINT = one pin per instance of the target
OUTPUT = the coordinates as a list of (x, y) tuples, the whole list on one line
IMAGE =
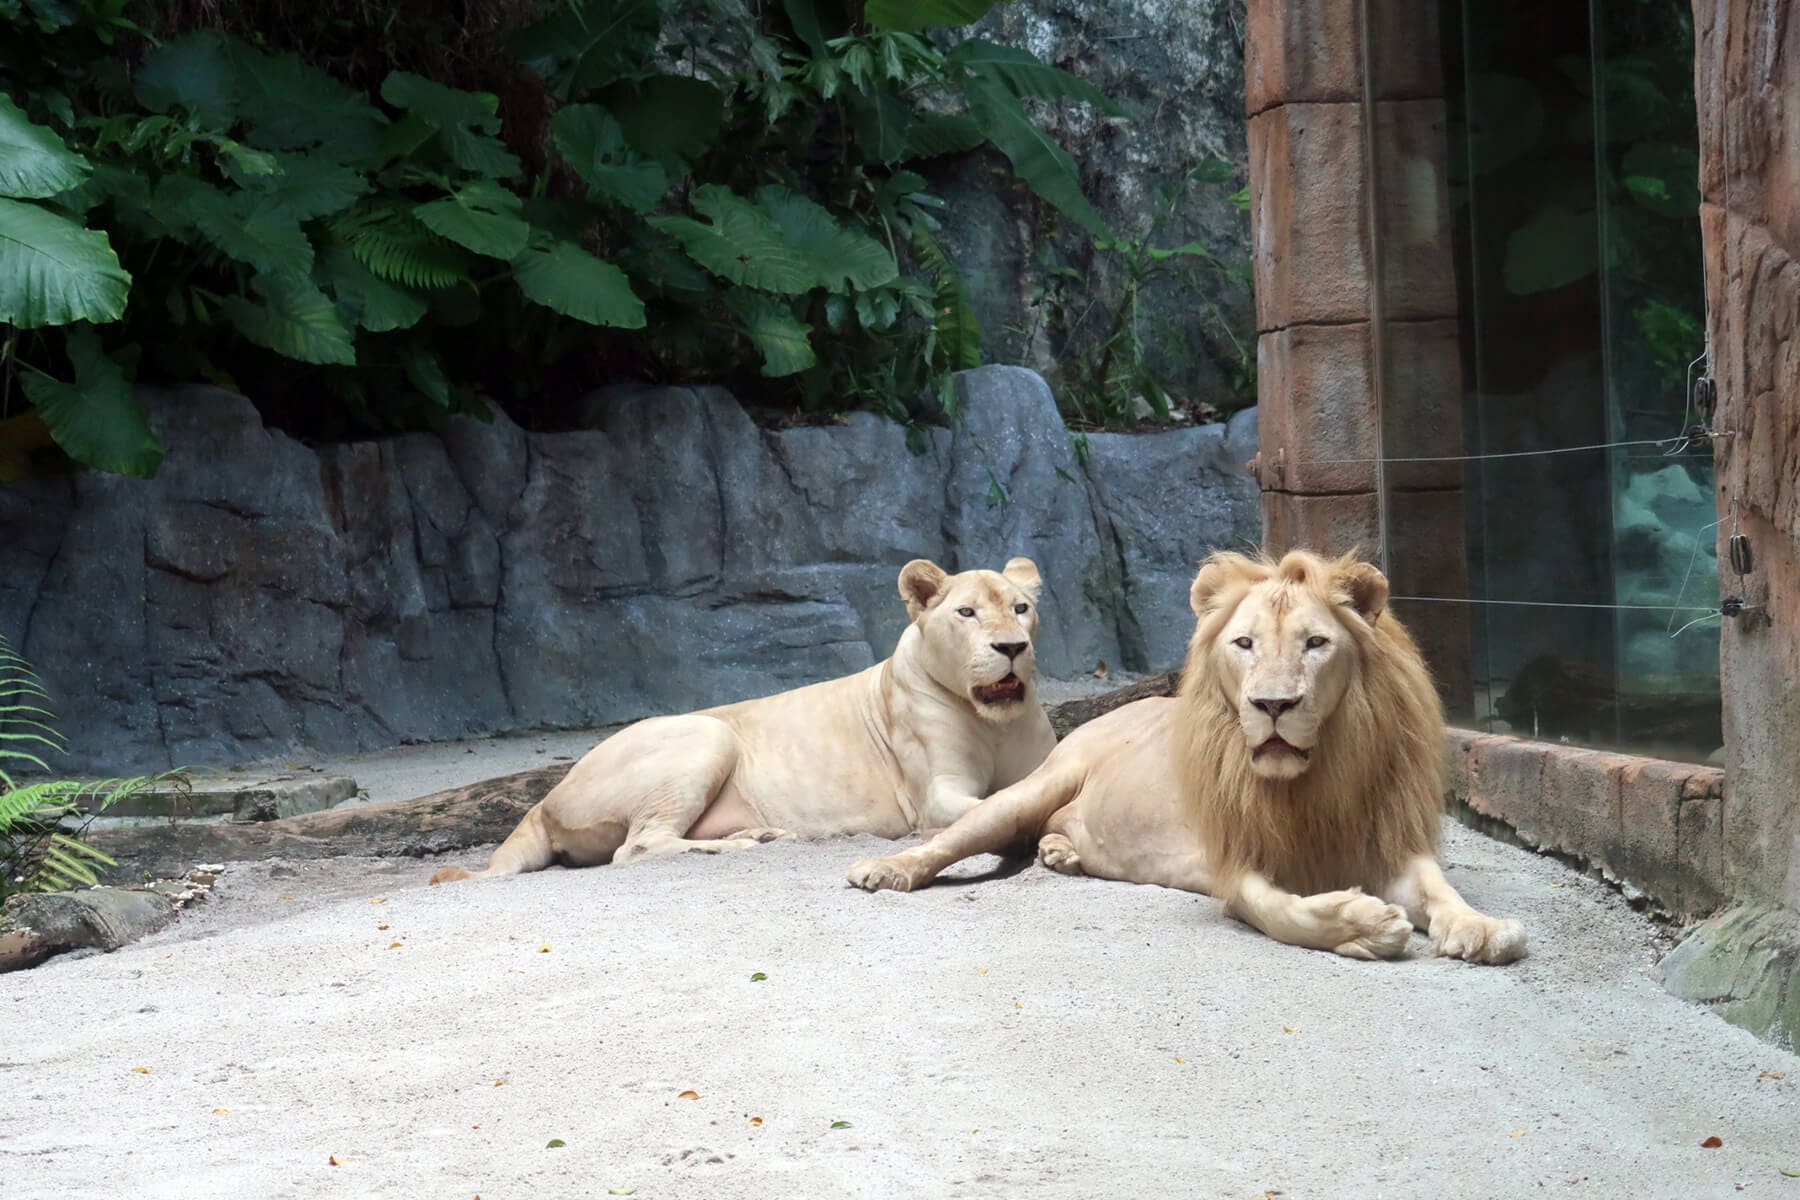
[(1028, 1034)]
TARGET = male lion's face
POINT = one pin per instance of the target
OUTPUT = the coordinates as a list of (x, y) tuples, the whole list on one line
[(976, 630), (1286, 657)]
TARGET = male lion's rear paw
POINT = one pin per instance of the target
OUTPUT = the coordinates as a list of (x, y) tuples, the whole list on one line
[(451, 875), (1478, 938), (1370, 927), (1058, 853), (880, 874)]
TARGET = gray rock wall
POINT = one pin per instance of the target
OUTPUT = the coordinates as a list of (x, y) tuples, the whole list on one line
[(1177, 66), (260, 596)]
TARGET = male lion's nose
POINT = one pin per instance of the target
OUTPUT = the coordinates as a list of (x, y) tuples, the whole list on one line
[(1276, 707), (1010, 649)]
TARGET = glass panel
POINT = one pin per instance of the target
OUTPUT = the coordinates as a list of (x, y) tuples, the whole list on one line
[(1569, 244), (1646, 164)]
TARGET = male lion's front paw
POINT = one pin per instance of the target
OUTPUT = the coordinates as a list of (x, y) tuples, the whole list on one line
[(1058, 853), (1476, 938), (880, 874), (1367, 926)]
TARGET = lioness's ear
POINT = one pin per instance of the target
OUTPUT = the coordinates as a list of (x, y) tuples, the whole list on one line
[(921, 583), (1364, 589), (1024, 575)]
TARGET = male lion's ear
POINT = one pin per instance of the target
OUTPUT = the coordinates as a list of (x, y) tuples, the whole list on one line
[(1023, 574), (1364, 588), (1215, 573), (921, 583)]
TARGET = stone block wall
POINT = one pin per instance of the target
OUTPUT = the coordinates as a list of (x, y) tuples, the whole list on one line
[(261, 596), (1357, 351)]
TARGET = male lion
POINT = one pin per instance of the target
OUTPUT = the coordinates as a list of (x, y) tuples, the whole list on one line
[(911, 743), (1298, 766)]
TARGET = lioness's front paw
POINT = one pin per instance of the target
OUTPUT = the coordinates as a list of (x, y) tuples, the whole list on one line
[(880, 874), (1368, 926), (1477, 938), (1058, 853)]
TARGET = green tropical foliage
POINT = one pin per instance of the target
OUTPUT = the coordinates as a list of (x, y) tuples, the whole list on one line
[(41, 822), (720, 191)]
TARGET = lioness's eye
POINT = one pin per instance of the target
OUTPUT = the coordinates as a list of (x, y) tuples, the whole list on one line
[(1021, 607), (965, 612), (1243, 643), (1315, 641)]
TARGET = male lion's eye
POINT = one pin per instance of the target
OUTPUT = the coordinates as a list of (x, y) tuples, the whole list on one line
[(965, 612), (1243, 643), (1021, 607), (1315, 641)]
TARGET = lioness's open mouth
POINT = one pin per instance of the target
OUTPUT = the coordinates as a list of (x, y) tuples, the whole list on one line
[(1279, 745), (1006, 691)]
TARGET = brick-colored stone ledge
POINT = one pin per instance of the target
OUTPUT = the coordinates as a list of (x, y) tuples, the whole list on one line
[(1646, 822)]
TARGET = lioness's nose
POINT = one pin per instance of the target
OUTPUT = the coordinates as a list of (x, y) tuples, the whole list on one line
[(1010, 649), (1276, 707)]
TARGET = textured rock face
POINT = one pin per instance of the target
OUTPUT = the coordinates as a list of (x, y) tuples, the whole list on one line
[(259, 596), (1178, 67)]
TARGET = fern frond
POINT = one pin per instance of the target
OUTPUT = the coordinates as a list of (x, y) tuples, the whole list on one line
[(396, 247)]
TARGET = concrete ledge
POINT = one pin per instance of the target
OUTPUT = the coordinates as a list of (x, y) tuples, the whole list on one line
[(1649, 824), (249, 798)]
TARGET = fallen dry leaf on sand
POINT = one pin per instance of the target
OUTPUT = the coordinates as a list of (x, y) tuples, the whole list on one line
[(1712, 1143), (1516, 1133), (499, 1083), (381, 927), (1290, 1029), (393, 945), (544, 949), (379, 900), (981, 970), (690, 1094), (756, 1120), (221, 1112), (140, 1070), (1770, 1075), (334, 1161), (1180, 1060)]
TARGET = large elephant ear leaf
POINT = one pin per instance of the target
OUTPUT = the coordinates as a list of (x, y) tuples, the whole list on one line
[(836, 255), (55, 272), (564, 278), (34, 163), (96, 420)]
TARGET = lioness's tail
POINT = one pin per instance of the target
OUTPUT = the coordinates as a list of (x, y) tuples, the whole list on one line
[(525, 849)]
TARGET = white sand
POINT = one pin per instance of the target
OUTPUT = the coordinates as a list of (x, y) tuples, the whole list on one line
[(1029, 1035)]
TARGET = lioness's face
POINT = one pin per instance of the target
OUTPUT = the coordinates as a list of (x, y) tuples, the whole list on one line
[(976, 631), (1287, 657)]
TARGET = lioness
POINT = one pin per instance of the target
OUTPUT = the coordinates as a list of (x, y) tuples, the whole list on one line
[(911, 743), (1299, 765)]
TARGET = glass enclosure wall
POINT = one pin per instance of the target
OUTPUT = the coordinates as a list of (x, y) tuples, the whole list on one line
[(1565, 182)]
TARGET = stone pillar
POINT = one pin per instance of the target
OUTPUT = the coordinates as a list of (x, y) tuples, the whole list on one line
[(1747, 77), (1358, 349), (1745, 962)]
